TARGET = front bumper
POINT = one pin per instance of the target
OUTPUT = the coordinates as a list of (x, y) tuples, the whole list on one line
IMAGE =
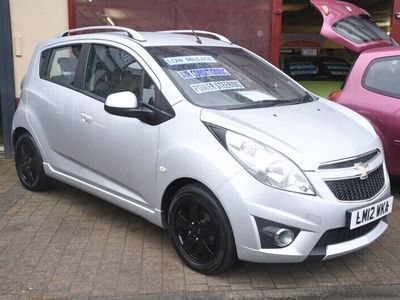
[(336, 250), (245, 199)]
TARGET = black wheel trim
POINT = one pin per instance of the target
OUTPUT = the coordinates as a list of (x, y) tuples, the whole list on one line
[(27, 162), (196, 231)]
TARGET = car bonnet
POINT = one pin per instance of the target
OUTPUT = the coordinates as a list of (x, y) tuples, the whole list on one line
[(309, 134)]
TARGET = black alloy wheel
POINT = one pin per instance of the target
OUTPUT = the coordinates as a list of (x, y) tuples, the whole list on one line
[(29, 164), (200, 230)]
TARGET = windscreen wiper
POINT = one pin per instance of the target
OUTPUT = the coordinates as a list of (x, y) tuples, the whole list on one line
[(306, 98), (260, 104)]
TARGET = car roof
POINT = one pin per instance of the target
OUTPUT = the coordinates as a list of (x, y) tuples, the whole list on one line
[(169, 39), (148, 39)]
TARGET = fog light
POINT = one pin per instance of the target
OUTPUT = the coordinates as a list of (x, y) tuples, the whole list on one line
[(280, 237), (283, 237)]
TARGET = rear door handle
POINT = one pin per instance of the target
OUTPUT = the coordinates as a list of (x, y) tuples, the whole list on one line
[(86, 119), (396, 142)]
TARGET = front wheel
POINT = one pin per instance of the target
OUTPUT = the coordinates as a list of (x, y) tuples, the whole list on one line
[(200, 230), (29, 164)]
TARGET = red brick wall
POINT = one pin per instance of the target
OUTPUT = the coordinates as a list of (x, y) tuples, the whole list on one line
[(247, 23)]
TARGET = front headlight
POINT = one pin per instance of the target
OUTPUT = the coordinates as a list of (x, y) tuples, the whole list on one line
[(267, 165)]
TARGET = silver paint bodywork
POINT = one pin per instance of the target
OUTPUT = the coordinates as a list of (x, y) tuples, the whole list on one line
[(131, 164)]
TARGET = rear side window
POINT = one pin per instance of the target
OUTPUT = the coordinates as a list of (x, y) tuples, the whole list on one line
[(62, 65), (44, 58), (383, 76)]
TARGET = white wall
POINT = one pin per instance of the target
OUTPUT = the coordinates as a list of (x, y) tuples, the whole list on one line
[(33, 21)]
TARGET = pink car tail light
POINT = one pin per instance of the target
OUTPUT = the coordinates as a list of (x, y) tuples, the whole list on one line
[(325, 9), (334, 95)]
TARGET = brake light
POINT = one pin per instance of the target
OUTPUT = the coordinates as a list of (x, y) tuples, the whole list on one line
[(334, 95), (325, 9)]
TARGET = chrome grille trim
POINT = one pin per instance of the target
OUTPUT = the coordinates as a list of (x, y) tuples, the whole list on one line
[(350, 162)]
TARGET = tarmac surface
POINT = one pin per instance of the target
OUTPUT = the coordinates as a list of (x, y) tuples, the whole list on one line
[(67, 244)]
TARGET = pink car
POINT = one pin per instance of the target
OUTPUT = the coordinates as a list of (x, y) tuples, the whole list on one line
[(372, 87)]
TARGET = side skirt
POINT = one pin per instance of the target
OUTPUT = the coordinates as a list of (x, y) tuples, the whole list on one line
[(150, 214)]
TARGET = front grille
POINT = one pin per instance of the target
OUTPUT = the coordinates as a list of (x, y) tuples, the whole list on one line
[(350, 162), (343, 234), (354, 189)]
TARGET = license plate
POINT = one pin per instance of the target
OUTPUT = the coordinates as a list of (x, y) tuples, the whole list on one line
[(367, 214)]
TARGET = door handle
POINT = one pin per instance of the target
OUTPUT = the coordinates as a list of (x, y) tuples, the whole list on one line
[(86, 119), (396, 142)]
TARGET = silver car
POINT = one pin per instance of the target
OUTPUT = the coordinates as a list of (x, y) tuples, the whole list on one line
[(204, 138)]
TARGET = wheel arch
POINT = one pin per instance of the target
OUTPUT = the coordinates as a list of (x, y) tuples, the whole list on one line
[(19, 131), (385, 144), (171, 190), (169, 193)]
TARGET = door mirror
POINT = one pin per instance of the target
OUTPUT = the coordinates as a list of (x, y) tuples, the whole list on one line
[(125, 104), (121, 100)]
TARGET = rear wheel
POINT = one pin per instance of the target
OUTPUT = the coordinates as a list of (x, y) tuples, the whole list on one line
[(200, 230), (29, 165)]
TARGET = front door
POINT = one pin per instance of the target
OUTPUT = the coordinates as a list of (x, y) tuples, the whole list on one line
[(117, 154)]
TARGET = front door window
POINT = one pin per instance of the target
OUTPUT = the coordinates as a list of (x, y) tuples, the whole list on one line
[(112, 70)]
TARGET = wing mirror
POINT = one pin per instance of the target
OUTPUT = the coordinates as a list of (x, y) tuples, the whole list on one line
[(125, 104), (121, 100)]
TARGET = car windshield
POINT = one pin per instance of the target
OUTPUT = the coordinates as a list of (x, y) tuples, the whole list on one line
[(226, 77)]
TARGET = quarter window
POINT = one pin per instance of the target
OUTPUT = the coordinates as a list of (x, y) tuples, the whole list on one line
[(62, 65), (112, 70), (383, 76)]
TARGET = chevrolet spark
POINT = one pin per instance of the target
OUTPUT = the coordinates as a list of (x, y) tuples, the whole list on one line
[(204, 138)]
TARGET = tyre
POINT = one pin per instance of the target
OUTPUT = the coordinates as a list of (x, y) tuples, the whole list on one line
[(200, 230), (29, 165)]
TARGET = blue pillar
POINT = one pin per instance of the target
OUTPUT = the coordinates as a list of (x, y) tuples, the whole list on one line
[(7, 86)]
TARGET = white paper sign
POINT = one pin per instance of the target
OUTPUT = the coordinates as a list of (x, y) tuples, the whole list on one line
[(202, 73), (213, 86), (193, 59), (256, 96)]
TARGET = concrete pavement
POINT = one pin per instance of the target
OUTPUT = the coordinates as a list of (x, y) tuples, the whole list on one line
[(67, 244)]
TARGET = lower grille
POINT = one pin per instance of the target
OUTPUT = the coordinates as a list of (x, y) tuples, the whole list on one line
[(340, 235), (354, 189)]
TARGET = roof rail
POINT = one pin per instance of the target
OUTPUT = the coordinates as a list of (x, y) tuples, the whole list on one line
[(187, 31), (131, 33)]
